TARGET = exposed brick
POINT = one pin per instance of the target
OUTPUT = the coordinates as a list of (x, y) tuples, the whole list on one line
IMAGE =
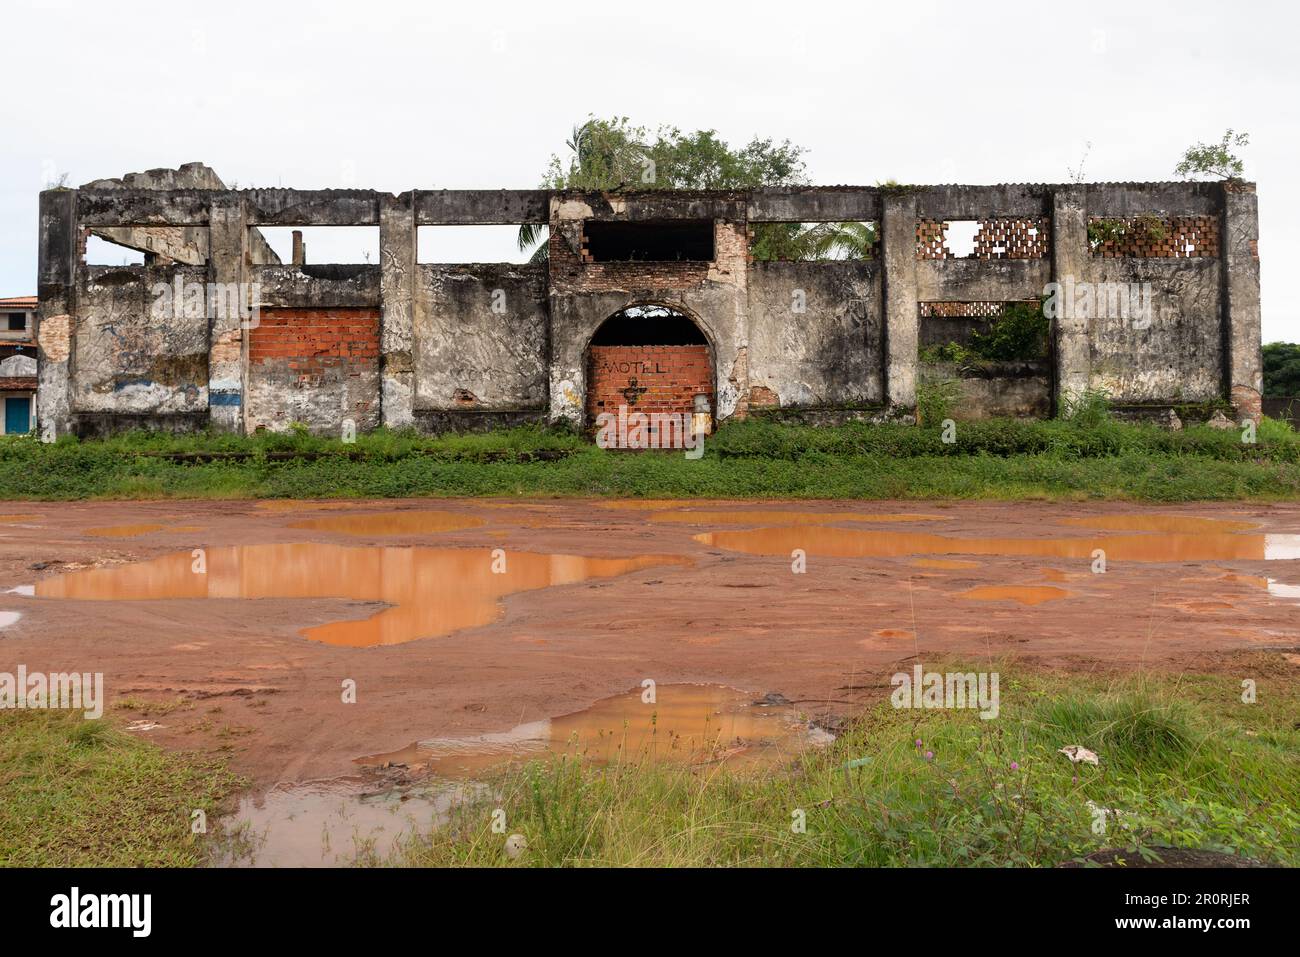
[(648, 378)]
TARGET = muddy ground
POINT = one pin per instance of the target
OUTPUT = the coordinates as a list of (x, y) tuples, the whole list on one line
[(828, 639)]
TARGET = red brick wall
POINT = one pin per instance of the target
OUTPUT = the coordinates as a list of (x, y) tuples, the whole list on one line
[(659, 378), (316, 366), (311, 339)]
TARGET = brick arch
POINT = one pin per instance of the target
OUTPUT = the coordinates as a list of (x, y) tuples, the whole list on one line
[(648, 375)]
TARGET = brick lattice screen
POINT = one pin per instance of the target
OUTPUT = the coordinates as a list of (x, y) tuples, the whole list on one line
[(1155, 237), (998, 238), (1012, 239), (930, 240), (962, 310)]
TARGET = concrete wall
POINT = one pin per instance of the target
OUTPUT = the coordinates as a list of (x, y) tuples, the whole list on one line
[(131, 358), (490, 344), (480, 339), (1016, 390), (1179, 356), (815, 334)]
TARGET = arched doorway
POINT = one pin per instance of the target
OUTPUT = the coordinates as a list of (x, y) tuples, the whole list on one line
[(649, 358)]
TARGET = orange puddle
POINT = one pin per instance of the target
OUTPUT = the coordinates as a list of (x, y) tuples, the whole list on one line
[(525, 505), (1024, 594), (433, 591), (760, 517), (295, 505), (688, 723), (1257, 581), (123, 531), (647, 504), (864, 543), (131, 531), (1206, 606), (1169, 524), (944, 563), (413, 522), (18, 518)]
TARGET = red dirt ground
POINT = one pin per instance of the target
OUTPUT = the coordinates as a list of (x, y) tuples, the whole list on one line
[(828, 639)]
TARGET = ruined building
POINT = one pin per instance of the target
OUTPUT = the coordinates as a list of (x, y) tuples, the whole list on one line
[(649, 299)]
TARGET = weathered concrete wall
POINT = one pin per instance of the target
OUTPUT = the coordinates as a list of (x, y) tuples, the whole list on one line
[(480, 338), (1017, 390), (815, 334), (1179, 355), (131, 357), (485, 344)]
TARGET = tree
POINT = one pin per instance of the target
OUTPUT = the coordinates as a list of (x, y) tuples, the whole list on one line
[(844, 240), (610, 155), (1214, 159), (1282, 369)]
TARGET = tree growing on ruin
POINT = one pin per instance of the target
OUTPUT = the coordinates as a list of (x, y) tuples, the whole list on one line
[(1214, 159), (608, 155)]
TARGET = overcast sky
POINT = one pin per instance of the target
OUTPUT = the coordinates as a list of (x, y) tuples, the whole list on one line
[(396, 96)]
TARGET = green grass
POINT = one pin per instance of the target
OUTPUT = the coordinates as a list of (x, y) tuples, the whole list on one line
[(1000, 459), (1184, 761), (78, 793)]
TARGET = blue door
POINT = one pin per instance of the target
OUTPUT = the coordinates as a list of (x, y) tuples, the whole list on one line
[(18, 416)]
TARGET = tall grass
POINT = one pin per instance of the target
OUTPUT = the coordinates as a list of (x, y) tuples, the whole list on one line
[(1181, 763), (78, 793), (1004, 459)]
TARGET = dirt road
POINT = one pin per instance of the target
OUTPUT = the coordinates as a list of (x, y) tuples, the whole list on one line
[(452, 621)]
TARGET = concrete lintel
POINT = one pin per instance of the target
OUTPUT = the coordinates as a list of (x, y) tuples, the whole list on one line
[(1159, 199), (1015, 201), (650, 205), (481, 207), (981, 280), (811, 204)]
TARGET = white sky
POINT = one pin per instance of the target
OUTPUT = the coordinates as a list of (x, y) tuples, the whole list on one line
[(396, 96)]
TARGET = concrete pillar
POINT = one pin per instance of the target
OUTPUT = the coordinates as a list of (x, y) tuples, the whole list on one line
[(1071, 258), (397, 252), (1243, 362), (299, 250), (56, 285), (227, 330), (902, 312)]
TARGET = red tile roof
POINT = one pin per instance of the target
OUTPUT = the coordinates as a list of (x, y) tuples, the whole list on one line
[(18, 302)]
